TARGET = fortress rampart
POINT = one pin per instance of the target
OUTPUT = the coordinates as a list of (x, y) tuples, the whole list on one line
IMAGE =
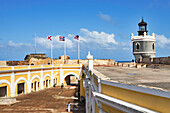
[(156, 60), (35, 61)]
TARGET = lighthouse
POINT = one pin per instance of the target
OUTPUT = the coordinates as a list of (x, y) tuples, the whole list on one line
[(143, 44)]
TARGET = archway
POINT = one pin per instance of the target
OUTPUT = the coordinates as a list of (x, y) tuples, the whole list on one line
[(56, 79), (5, 88), (71, 79), (47, 81), (21, 86), (35, 83)]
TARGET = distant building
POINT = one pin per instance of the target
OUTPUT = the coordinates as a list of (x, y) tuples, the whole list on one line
[(39, 56), (143, 44)]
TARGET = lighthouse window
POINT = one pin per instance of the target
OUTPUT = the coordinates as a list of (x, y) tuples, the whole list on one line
[(137, 45), (153, 46), (142, 28)]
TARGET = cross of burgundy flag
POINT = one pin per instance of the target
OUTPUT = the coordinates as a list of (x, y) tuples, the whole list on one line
[(76, 37), (61, 38), (49, 37)]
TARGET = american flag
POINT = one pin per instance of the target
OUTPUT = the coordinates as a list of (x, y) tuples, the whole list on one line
[(49, 37), (61, 38), (76, 37)]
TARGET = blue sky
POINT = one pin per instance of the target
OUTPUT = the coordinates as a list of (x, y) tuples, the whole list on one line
[(104, 27)]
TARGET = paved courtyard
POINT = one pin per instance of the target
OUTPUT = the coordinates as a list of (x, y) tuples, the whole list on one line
[(51, 100), (149, 77)]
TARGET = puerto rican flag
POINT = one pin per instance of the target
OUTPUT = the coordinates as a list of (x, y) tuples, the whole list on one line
[(76, 37), (61, 38), (50, 38)]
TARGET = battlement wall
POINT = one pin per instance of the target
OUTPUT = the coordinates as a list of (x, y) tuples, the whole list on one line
[(157, 60), (48, 61)]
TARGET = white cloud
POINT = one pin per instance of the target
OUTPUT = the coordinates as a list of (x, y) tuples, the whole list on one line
[(106, 18), (162, 41), (88, 40), (101, 39), (11, 43)]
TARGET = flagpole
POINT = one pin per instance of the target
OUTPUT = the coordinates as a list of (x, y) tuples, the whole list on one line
[(78, 49), (35, 43), (51, 52), (64, 49)]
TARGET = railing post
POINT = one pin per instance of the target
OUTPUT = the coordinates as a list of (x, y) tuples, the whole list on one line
[(93, 104), (99, 85), (100, 91), (90, 61)]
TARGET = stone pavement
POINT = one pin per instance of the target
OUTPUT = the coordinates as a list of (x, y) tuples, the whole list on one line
[(45, 101), (157, 78)]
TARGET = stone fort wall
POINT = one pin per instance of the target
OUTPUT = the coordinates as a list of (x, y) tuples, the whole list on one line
[(157, 60), (35, 61)]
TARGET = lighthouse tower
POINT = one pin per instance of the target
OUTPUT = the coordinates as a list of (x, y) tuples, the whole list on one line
[(143, 44)]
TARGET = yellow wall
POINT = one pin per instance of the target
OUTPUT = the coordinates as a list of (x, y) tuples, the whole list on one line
[(44, 66), (46, 73), (20, 67), (35, 67), (33, 74), (18, 76), (57, 76), (8, 78), (146, 100), (5, 68), (65, 72), (82, 90), (110, 109), (96, 108)]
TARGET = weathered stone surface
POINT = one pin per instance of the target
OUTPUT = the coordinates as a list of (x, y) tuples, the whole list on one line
[(2, 63), (7, 100)]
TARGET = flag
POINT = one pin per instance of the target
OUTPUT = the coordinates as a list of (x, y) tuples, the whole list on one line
[(76, 37), (61, 38), (49, 37)]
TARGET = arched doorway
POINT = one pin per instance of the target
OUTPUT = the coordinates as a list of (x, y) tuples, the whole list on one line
[(71, 80), (5, 88), (35, 83), (47, 81), (20, 86)]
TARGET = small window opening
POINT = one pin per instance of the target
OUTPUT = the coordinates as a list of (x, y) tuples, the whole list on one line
[(137, 46), (31, 85), (153, 46)]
